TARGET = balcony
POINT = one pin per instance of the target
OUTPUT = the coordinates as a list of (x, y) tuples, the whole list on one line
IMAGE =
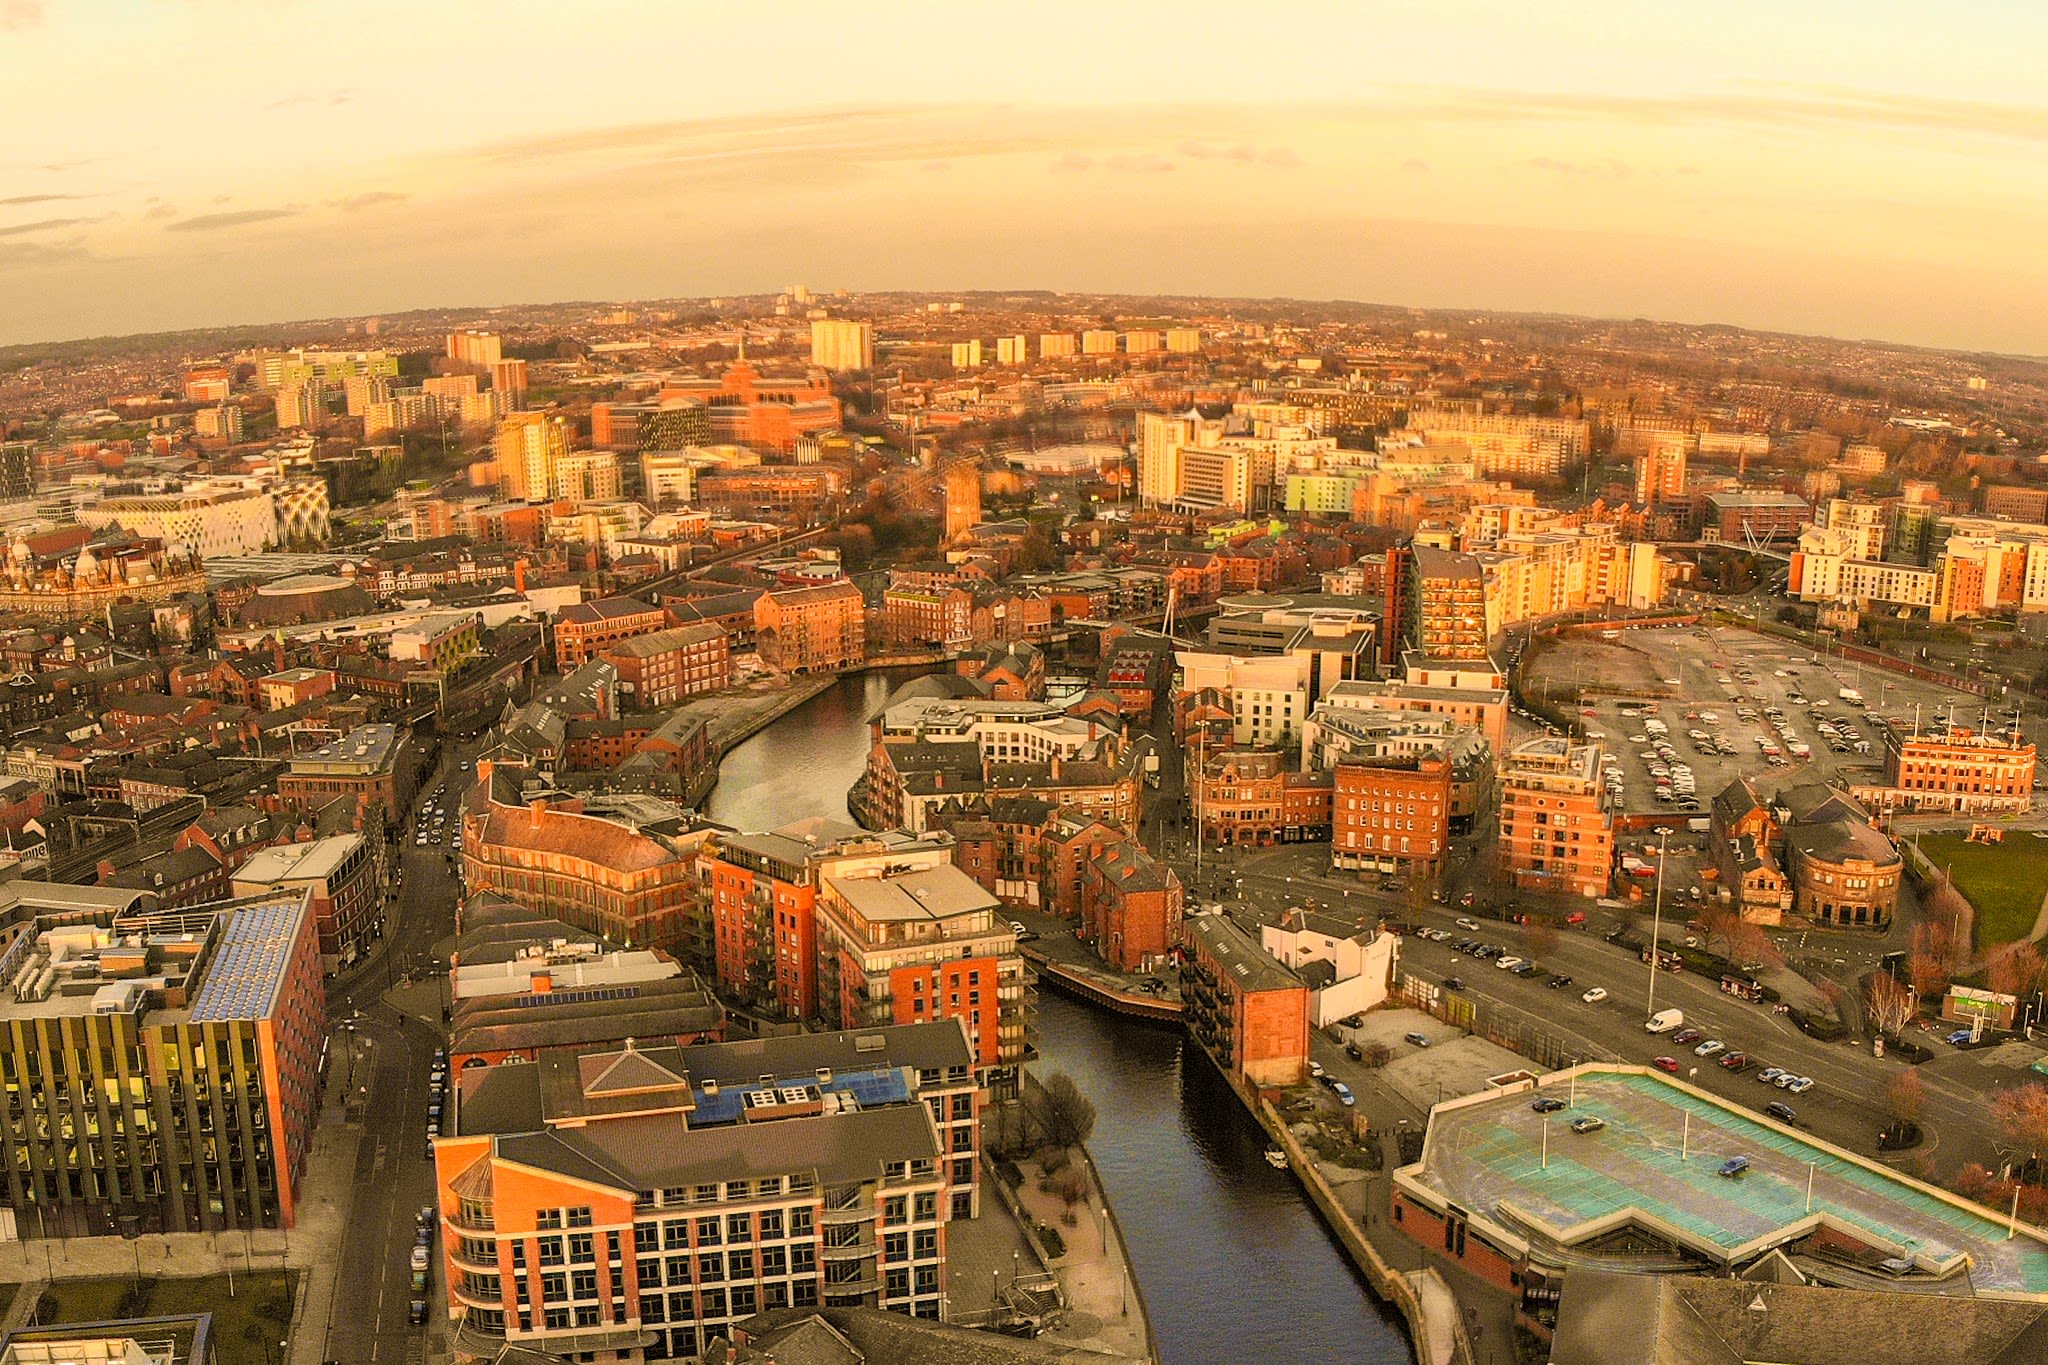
[(471, 1295), (467, 1258), (852, 1251), (837, 1293), (839, 1218), (470, 1222)]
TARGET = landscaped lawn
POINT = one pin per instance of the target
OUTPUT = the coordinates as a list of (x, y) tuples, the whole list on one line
[(246, 1327), (2004, 881)]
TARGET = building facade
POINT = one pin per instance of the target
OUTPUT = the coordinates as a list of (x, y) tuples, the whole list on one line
[(163, 1067), (1391, 813), (1555, 834)]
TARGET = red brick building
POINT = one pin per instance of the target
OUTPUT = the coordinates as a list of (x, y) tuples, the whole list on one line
[(1251, 797), (584, 630), (1962, 771), (1249, 1013), (812, 630), (1391, 812), (1131, 907), (660, 670)]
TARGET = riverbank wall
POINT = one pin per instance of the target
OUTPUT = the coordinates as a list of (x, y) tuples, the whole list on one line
[(1438, 1336), (1068, 981)]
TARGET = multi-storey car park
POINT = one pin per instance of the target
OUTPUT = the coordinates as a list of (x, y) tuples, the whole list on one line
[(1666, 1178)]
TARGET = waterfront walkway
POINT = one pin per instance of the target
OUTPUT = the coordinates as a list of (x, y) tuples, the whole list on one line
[(1104, 1311)]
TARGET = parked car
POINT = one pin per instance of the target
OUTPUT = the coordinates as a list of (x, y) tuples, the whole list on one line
[(1595, 996), (1353, 1051), (1463, 922), (1769, 1075), (1508, 963), (1959, 1037), (1549, 1104), (1315, 1069), (1782, 1112), (1454, 983), (1800, 1085), (1419, 1039), (1558, 982), (1343, 1093), (1591, 1123), (1736, 1061), (1685, 1037), (1733, 1166), (1669, 1064), (1709, 1048), (419, 1258)]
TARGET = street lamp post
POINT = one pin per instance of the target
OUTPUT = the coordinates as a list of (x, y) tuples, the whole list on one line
[(1657, 922)]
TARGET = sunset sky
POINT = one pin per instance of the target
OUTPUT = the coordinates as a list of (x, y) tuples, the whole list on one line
[(1858, 169)]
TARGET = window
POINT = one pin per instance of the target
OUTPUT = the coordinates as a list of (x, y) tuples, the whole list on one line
[(551, 1251), (582, 1247), (771, 1225), (710, 1269), (547, 1218), (554, 1286), (708, 1232), (583, 1284), (580, 1217), (739, 1227), (742, 1265)]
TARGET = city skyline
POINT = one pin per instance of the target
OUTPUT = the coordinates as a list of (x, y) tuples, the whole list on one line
[(1863, 173)]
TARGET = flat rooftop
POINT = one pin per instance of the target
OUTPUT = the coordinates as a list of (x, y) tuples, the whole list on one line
[(1485, 1154)]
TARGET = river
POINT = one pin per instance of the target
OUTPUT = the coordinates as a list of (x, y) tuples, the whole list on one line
[(1232, 1261)]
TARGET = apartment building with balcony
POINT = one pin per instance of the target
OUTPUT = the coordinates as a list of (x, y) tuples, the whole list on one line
[(634, 1203), (811, 630), (1248, 1011), (925, 943), (660, 670), (161, 1069), (1555, 834)]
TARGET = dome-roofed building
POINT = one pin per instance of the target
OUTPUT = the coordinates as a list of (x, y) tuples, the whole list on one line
[(304, 597)]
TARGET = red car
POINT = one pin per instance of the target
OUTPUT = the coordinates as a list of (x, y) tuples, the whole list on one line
[(1669, 1064)]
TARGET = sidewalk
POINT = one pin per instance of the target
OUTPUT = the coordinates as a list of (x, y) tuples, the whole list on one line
[(1104, 1312)]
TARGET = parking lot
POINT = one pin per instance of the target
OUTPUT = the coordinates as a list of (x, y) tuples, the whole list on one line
[(1747, 704)]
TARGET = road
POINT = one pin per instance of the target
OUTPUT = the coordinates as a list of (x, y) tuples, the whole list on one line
[(390, 1055), (1847, 1104)]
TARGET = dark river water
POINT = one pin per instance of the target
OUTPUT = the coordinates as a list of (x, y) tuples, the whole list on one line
[(1233, 1263)]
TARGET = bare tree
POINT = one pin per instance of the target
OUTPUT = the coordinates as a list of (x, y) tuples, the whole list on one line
[(1067, 1115), (1889, 1004), (1949, 915), (1905, 1097), (1748, 943), (2022, 1116), (2014, 969)]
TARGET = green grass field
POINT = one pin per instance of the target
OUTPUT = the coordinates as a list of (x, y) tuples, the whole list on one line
[(247, 1326), (2004, 881)]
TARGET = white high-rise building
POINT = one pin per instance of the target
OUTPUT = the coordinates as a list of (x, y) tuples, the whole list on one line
[(842, 344)]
